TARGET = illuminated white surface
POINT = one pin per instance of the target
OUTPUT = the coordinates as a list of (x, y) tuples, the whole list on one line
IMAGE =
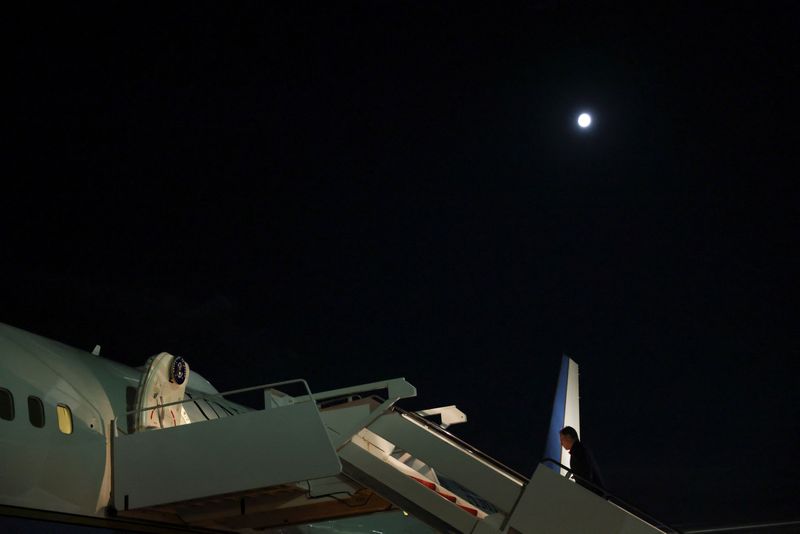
[(584, 120), (572, 409)]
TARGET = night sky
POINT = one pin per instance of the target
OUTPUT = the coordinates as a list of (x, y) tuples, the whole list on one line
[(366, 191)]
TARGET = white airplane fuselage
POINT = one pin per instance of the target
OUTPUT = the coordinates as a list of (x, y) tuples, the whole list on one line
[(43, 467)]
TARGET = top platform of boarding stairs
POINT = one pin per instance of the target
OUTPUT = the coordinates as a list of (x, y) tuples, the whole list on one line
[(326, 457)]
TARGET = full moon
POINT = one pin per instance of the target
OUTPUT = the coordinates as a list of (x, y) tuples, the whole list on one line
[(584, 120)]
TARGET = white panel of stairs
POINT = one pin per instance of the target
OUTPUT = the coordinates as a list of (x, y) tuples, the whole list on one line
[(450, 460), (402, 490), (551, 503), (342, 418), (247, 451)]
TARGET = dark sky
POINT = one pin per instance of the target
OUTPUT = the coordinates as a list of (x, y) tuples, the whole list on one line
[(365, 191)]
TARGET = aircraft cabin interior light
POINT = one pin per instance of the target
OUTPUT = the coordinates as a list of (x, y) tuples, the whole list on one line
[(64, 419)]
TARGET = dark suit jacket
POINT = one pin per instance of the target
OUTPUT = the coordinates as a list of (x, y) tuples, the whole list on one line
[(582, 465)]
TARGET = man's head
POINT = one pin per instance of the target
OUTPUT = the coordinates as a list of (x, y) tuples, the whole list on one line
[(568, 437)]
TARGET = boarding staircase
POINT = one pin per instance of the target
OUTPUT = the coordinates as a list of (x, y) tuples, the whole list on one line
[(311, 459)]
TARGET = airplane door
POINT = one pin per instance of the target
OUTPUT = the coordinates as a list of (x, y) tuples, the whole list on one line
[(163, 382)]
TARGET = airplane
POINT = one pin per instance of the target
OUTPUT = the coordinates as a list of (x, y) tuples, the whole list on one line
[(88, 441)]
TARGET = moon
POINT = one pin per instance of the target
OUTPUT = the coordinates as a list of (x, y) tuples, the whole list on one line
[(584, 120)]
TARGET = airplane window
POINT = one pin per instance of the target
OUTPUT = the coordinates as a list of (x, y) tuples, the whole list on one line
[(6, 405), (64, 418), (36, 411)]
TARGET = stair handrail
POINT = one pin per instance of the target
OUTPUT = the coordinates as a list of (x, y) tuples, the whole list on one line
[(206, 396), (397, 389), (614, 499), (463, 444)]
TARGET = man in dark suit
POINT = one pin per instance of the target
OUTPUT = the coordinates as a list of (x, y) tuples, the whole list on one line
[(581, 462)]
